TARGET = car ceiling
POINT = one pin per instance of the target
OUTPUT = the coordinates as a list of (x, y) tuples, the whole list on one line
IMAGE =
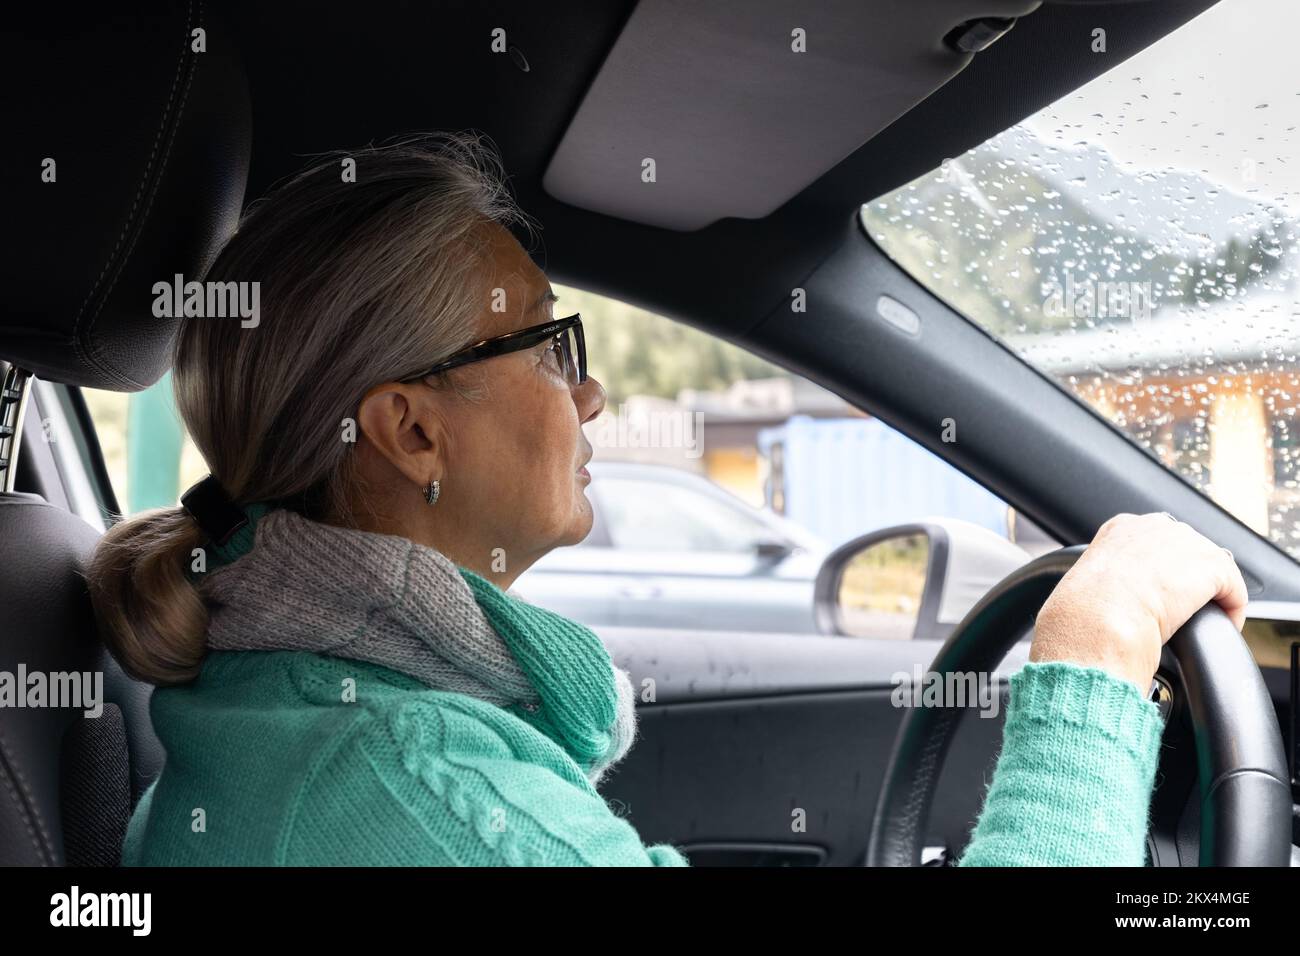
[(323, 78)]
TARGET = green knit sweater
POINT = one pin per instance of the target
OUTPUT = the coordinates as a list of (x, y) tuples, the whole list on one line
[(269, 764)]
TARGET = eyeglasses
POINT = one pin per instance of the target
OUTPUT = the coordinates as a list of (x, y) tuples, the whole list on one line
[(568, 342)]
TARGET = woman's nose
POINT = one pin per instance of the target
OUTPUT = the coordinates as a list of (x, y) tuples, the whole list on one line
[(590, 399)]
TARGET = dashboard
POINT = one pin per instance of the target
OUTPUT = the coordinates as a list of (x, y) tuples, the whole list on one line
[(1272, 633)]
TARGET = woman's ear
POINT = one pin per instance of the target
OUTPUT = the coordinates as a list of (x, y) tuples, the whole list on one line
[(405, 425)]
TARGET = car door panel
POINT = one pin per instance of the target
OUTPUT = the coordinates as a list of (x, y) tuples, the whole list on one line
[(770, 749)]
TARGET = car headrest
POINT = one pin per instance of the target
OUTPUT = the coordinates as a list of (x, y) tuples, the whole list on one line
[(128, 153)]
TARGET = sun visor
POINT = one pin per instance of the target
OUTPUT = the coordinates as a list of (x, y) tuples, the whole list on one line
[(707, 110)]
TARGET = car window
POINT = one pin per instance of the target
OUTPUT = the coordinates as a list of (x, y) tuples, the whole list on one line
[(704, 452), (1137, 242), (148, 454)]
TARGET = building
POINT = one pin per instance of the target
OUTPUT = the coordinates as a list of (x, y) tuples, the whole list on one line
[(1211, 392)]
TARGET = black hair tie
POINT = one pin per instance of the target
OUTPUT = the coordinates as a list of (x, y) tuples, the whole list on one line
[(209, 505)]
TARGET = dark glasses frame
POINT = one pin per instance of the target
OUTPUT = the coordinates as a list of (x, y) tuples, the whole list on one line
[(517, 341)]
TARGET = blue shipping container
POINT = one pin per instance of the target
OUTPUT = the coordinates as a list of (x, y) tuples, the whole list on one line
[(842, 477)]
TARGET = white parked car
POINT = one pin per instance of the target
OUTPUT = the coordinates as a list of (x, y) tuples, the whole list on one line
[(670, 548)]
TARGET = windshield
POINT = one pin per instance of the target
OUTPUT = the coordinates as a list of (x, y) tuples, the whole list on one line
[(1136, 241)]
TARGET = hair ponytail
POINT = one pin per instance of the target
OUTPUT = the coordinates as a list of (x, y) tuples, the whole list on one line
[(148, 610)]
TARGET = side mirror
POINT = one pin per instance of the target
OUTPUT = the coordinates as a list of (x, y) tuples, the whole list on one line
[(910, 581), (773, 548)]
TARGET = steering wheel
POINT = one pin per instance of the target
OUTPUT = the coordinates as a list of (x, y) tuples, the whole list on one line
[(1245, 792)]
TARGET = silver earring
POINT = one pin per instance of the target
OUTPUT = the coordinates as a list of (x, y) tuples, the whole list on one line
[(432, 490)]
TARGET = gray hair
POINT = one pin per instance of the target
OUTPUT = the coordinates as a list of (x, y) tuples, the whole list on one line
[(360, 283)]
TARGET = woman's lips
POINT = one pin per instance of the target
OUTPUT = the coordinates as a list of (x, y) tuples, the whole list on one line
[(583, 472)]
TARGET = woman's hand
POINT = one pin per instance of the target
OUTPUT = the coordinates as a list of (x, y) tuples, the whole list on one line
[(1141, 579)]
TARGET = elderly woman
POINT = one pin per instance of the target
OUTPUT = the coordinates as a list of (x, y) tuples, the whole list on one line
[(343, 675)]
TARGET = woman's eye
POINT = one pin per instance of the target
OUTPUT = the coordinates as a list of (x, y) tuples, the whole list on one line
[(551, 356)]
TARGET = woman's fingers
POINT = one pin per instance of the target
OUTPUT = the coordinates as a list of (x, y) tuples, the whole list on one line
[(1232, 595), (1201, 560)]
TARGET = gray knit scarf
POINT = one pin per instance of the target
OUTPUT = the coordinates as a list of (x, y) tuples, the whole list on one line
[(384, 599)]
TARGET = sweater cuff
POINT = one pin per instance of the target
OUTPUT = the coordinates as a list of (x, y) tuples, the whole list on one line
[(1091, 701), (1074, 778)]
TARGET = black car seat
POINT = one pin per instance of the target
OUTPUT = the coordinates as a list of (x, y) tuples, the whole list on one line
[(145, 115)]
